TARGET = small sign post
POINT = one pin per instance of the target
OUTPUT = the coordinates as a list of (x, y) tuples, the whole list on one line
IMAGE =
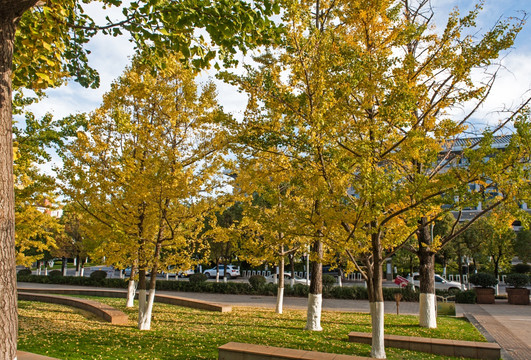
[(398, 297)]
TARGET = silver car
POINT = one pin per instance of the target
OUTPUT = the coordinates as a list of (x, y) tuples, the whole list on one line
[(287, 279), (440, 283), (232, 272)]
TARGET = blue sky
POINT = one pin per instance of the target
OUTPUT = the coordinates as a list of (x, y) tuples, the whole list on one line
[(111, 55)]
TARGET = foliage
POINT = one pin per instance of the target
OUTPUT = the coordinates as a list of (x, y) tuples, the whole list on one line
[(63, 332), (59, 31), (197, 278), (522, 268), (73, 239), (141, 166), (497, 237), (24, 272), (328, 282), (483, 280), (257, 281), (465, 297), (517, 280), (35, 191), (98, 275), (522, 245), (55, 274), (299, 290)]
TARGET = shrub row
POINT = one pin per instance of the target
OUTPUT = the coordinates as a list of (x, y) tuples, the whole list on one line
[(259, 288)]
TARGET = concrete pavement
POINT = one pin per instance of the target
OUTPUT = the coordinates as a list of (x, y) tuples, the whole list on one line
[(508, 325)]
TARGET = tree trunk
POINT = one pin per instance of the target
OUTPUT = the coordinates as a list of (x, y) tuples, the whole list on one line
[(78, 264), (225, 270), (64, 263), (411, 265), (460, 265), (280, 290), (315, 296), (427, 303), (375, 292), (141, 298), (10, 12), (82, 269), (291, 258), (496, 261), (148, 304), (131, 287)]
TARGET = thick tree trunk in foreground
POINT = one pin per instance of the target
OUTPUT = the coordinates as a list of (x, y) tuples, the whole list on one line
[(427, 301), (10, 12), (315, 296)]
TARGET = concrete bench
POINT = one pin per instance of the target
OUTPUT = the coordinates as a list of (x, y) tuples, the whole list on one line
[(23, 355), (194, 304), (458, 348), (242, 351), (166, 299), (106, 312)]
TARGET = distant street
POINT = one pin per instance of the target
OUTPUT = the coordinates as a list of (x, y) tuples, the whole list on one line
[(115, 274)]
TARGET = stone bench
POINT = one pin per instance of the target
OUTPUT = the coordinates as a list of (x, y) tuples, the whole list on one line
[(242, 351), (23, 355), (190, 303), (458, 348), (106, 312), (166, 299)]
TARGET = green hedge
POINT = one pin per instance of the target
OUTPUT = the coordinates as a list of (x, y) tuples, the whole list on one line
[(336, 292)]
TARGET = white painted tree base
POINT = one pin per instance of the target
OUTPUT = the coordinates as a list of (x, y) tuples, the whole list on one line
[(427, 311), (313, 316), (131, 288), (145, 309), (280, 301), (377, 318)]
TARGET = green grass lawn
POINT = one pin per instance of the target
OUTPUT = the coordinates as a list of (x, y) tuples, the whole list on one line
[(183, 333)]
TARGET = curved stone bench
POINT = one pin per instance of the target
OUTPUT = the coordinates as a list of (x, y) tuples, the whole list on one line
[(166, 299), (458, 348), (23, 355), (106, 312), (243, 351)]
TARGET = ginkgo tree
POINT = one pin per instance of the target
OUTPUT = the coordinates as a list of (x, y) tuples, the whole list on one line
[(271, 210), (365, 97), (143, 167), (44, 43), (399, 85), (35, 190), (287, 127)]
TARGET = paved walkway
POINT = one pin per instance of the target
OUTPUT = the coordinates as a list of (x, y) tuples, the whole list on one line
[(508, 325)]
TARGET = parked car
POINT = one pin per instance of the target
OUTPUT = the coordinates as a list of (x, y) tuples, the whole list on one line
[(232, 272), (186, 273), (287, 278), (170, 272), (440, 283)]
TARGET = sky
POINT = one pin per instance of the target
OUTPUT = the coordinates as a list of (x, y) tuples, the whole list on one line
[(111, 55)]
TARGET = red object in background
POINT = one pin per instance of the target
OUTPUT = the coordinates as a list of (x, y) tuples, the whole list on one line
[(401, 281)]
